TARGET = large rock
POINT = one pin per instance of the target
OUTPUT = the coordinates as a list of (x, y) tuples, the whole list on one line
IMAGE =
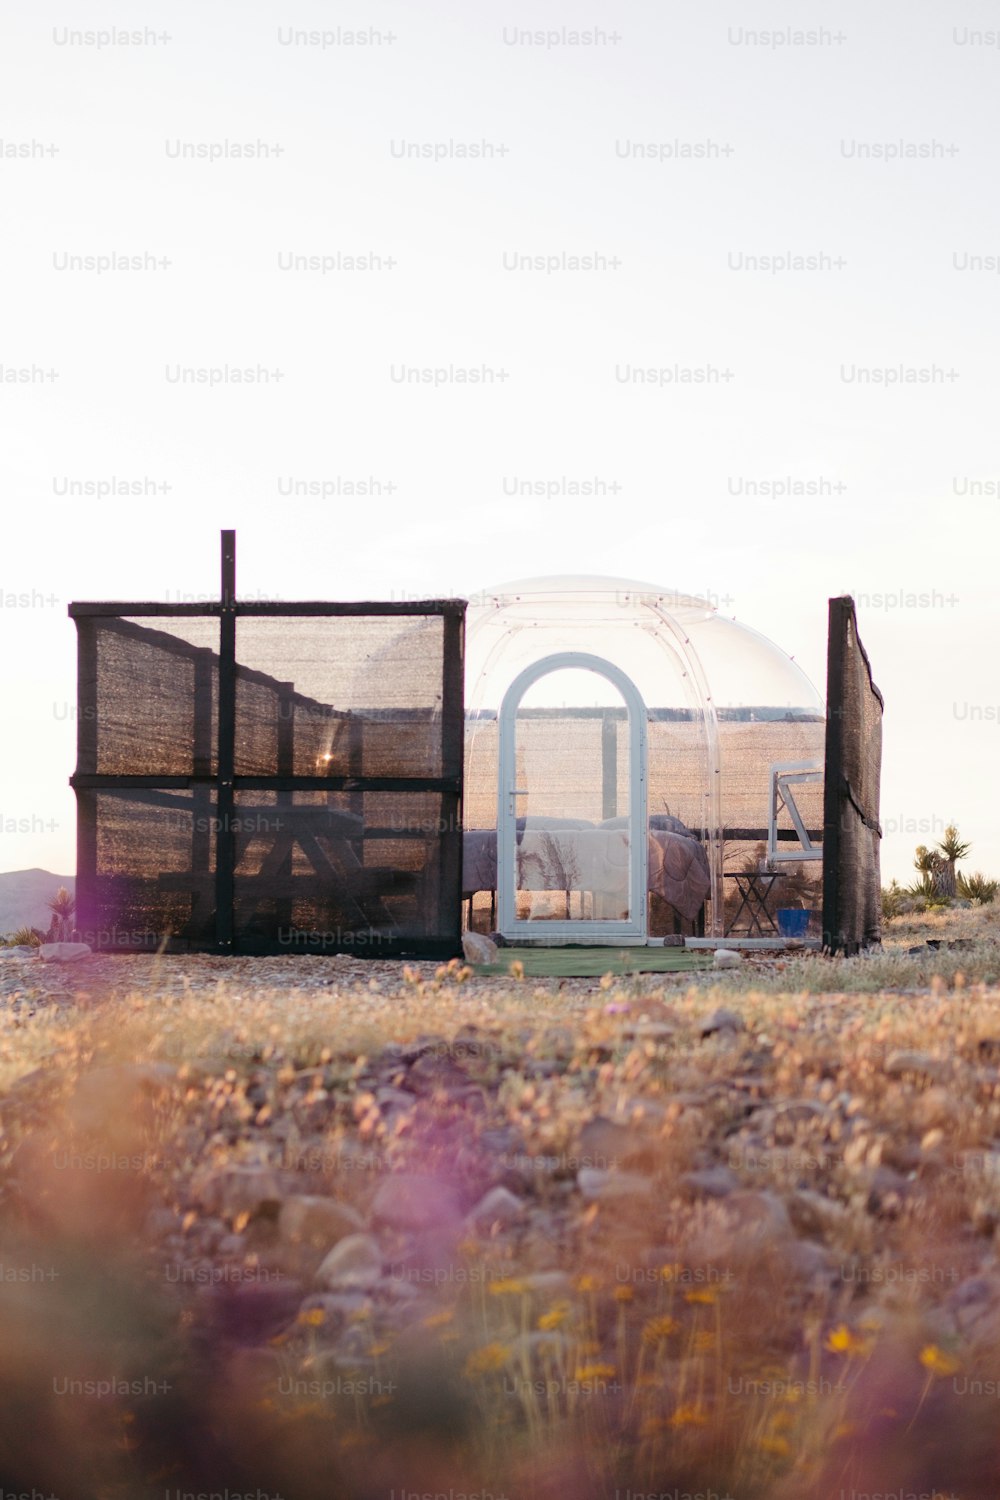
[(406, 1201), (812, 1262), (499, 1206), (726, 958), (650, 1031), (604, 1187), (973, 1300), (230, 1191), (605, 1143), (479, 949), (814, 1213), (356, 1262), (921, 1064), (722, 1020), (66, 953), (760, 1215), (435, 1073), (888, 1191), (317, 1222), (710, 1182)]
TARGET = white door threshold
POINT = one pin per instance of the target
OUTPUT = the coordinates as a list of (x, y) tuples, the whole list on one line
[(765, 944), (572, 940)]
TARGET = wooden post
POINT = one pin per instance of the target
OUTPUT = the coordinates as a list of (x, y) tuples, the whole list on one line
[(833, 773), (87, 742), (225, 843), (449, 849)]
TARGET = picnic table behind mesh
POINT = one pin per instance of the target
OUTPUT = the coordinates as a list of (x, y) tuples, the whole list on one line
[(572, 855)]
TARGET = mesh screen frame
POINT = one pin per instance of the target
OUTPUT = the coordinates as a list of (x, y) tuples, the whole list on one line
[(208, 773), (852, 834)]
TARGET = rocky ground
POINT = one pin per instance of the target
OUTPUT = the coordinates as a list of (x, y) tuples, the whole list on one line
[(421, 1230)]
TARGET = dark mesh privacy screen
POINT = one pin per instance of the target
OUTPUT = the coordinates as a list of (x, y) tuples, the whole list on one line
[(355, 870), (306, 706), (270, 782), (148, 696), (852, 907), (154, 866)]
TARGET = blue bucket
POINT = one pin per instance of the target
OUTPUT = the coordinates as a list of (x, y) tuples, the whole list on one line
[(793, 921)]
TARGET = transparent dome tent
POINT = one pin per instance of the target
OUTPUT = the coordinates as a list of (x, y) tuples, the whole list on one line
[(626, 749)]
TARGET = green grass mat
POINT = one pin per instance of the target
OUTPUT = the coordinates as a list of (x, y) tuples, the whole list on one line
[(592, 963)]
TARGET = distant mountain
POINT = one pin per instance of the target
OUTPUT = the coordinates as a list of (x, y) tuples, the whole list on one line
[(23, 898)]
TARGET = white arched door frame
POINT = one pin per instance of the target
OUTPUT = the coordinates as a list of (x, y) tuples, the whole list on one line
[(632, 930)]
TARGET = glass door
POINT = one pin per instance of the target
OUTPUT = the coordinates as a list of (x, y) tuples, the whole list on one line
[(571, 814)]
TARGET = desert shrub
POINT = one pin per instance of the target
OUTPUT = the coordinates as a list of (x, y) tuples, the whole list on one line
[(28, 937), (62, 907), (978, 887), (893, 900), (925, 892)]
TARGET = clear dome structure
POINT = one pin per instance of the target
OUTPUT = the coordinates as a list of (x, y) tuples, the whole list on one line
[(596, 707)]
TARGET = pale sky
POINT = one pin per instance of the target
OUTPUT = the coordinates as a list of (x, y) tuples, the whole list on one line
[(871, 149)]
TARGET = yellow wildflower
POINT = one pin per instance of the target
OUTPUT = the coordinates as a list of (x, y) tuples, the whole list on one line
[(516, 969), (439, 1319), (659, 1328), (842, 1341), (314, 1318), (689, 1415), (487, 1360), (779, 1446), (623, 1294), (555, 1317), (936, 1361), (587, 1283), (507, 1285), (707, 1295), (595, 1372)]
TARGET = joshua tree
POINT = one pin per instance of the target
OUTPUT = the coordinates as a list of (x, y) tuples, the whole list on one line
[(952, 849), (940, 863), (61, 906)]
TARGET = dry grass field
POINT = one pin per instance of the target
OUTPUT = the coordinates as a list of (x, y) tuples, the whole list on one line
[(310, 1227)]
